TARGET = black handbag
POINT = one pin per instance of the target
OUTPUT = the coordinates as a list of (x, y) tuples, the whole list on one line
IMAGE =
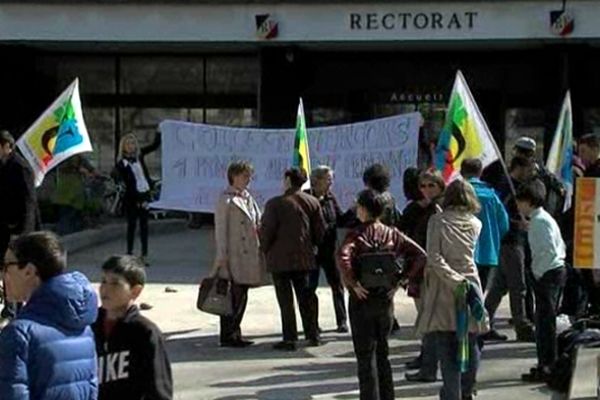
[(378, 270), (214, 296)]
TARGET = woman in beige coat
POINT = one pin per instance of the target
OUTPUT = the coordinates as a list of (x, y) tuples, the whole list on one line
[(451, 239), (238, 255)]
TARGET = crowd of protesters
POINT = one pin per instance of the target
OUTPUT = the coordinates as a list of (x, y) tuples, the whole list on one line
[(456, 250)]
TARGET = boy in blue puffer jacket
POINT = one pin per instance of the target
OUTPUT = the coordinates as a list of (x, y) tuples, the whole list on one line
[(47, 352)]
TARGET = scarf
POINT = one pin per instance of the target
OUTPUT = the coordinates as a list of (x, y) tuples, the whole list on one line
[(141, 183), (469, 302)]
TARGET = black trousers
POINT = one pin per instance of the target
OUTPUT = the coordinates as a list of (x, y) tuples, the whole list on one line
[(486, 274), (230, 325), (335, 283), (548, 290), (371, 322), (299, 281), (135, 212)]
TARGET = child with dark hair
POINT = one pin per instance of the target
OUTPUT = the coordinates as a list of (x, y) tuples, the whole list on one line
[(370, 308), (132, 359), (548, 252)]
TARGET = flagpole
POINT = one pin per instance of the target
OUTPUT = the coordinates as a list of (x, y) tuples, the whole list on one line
[(500, 158)]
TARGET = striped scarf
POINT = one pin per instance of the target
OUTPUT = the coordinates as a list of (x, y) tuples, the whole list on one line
[(469, 302)]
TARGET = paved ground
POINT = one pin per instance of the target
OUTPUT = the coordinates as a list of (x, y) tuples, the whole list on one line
[(202, 370)]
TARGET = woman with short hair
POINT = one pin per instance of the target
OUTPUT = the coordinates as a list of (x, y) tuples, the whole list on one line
[(238, 256)]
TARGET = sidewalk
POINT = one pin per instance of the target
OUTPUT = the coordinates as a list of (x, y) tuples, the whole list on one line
[(202, 370)]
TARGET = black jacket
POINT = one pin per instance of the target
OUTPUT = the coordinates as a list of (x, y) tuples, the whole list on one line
[(123, 173), (18, 204), (415, 219), (132, 362), (332, 214), (593, 170)]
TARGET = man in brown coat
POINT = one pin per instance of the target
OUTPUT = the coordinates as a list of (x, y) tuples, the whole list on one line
[(292, 227)]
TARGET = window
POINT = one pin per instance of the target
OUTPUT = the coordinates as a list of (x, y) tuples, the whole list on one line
[(229, 75), (162, 75), (231, 116), (96, 74), (100, 123), (524, 122)]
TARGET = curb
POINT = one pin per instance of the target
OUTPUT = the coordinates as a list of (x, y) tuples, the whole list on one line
[(78, 241)]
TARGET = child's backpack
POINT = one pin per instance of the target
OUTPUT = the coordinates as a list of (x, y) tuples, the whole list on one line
[(378, 270)]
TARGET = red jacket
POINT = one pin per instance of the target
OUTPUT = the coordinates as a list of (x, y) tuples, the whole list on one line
[(366, 236)]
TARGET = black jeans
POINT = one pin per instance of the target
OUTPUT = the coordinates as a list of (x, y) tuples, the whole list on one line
[(299, 280), (548, 290), (135, 212), (230, 325), (486, 275), (337, 289), (371, 322)]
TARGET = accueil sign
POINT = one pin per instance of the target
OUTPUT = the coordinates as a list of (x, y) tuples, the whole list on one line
[(375, 21)]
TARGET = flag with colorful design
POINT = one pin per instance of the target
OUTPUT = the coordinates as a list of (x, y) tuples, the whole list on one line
[(301, 153), (56, 135), (465, 133), (560, 157)]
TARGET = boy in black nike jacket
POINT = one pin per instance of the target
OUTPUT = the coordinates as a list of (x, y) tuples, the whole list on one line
[(132, 360)]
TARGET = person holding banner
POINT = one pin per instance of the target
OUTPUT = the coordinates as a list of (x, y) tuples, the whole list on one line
[(18, 204), (291, 229), (238, 256), (131, 170), (510, 277)]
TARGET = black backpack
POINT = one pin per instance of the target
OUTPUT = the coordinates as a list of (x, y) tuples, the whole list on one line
[(378, 270), (582, 332)]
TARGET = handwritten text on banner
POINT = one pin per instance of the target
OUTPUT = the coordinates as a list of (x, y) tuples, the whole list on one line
[(196, 156)]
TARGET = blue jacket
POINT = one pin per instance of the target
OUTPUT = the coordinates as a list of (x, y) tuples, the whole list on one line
[(495, 224), (48, 351)]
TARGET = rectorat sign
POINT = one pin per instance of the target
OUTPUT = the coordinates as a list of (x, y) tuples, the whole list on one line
[(412, 21)]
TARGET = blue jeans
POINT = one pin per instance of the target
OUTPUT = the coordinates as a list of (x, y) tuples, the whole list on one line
[(456, 384)]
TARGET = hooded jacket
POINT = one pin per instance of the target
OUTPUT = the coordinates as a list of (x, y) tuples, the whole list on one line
[(494, 220), (47, 352), (132, 361)]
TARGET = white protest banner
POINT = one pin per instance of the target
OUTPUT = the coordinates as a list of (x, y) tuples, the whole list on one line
[(195, 158)]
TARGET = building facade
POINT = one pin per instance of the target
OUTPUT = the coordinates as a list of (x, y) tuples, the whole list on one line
[(245, 63)]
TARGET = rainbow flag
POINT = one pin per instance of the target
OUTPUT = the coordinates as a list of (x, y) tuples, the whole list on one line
[(465, 133), (56, 135), (560, 157), (301, 153)]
